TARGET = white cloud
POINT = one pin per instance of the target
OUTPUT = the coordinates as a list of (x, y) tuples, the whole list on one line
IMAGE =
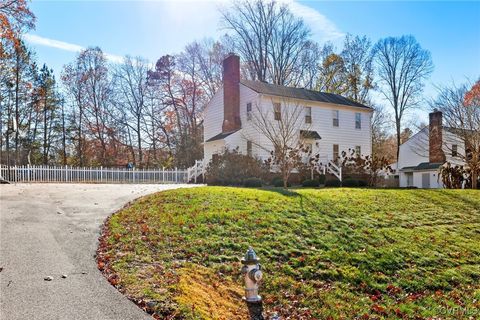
[(65, 46), (321, 26)]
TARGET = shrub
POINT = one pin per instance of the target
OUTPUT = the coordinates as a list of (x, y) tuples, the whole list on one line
[(333, 183), (252, 183), (322, 179), (350, 183), (233, 168), (310, 183), (278, 182), (362, 183)]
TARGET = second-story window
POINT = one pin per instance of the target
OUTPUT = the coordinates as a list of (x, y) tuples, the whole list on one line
[(249, 111), (308, 115), (249, 148), (454, 150), (358, 120), (277, 111), (335, 118)]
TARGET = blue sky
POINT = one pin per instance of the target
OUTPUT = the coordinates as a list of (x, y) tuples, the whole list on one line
[(450, 30)]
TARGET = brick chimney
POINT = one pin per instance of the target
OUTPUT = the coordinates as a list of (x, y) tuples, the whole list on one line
[(231, 93), (435, 140)]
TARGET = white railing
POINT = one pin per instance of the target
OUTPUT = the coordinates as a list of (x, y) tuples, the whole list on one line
[(194, 172), (69, 174), (327, 165)]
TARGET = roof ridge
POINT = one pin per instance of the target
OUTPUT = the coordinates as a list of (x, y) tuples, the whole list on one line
[(301, 93)]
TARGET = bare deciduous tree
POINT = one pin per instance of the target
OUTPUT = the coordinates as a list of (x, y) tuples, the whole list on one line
[(402, 67), (280, 126), (357, 61), (461, 116), (132, 93), (381, 139), (269, 37)]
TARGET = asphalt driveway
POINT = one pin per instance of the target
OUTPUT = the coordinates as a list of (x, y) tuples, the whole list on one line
[(50, 230)]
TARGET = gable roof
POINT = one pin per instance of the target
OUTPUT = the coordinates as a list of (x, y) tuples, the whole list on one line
[(300, 93), (424, 166)]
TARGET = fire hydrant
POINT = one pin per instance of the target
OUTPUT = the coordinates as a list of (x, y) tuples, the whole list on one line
[(252, 271)]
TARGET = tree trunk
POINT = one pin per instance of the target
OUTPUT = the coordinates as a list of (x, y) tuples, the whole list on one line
[(139, 141), (474, 176), (45, 150), (17, 113), (64, 137), (397, 122)]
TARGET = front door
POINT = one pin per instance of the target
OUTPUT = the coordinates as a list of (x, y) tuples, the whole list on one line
[(425, 180)]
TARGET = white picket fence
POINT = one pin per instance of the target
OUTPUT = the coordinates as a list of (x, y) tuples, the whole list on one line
[(68, 174)]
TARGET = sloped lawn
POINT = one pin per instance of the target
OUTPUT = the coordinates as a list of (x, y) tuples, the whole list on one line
[(327, 254)]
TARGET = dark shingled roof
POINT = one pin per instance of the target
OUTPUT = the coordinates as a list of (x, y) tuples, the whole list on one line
[(428, 166), (299, 93), (220, 136), (424, 166)]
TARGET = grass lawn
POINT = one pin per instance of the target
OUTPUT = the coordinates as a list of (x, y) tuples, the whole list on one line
[(326, 254)]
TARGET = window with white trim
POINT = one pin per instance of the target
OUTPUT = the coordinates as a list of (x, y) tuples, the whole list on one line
[(336, 120), (308, 114), (358, 151), (358, 120), (335, 152), (277, 111), (454, 150), (249, 111)]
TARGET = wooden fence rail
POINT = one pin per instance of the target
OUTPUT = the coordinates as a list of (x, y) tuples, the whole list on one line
[(68, 174)]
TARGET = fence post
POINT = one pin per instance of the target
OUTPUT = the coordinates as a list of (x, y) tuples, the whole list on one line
[(176, 175), (195, 173)]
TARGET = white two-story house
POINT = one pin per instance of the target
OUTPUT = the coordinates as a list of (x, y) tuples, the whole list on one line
[(331, 123)]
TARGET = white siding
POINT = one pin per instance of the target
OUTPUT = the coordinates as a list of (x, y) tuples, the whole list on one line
[(211, 148), (435, 183), (450, 139), (213, 119), (415, 150), (433, 175), (345, 135)]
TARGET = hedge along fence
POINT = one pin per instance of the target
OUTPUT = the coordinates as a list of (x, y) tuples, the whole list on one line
[(68, 174)]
